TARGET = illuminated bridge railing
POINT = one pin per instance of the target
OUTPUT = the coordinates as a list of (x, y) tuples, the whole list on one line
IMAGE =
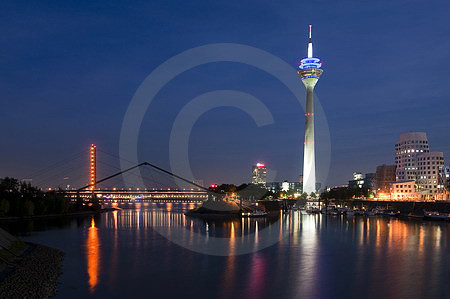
[(138, 195)]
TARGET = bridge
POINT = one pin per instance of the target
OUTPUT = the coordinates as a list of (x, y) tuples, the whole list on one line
[(105, 189), (159, 195)]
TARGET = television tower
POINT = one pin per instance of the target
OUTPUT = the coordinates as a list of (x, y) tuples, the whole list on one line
[(309, 71)]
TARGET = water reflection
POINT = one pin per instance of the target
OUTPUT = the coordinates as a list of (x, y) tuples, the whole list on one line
[(92, 255), (217, 237), (315, 256), (307, 239), (381, 243)]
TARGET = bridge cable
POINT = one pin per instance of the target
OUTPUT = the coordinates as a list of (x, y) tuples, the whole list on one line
[(54, 165), (145, 164)]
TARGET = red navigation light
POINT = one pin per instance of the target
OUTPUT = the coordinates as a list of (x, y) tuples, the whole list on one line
[(213, 186), (260, 164)]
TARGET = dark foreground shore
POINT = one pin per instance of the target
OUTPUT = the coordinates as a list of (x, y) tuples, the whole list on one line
[(73, 214), (33, 274)]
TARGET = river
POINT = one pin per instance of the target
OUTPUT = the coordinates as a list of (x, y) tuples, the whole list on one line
[(153, 250)]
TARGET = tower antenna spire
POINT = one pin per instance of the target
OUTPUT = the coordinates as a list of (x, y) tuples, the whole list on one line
[(310, 47)]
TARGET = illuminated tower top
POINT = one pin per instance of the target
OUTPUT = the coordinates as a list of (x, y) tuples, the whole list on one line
[(310, 67)]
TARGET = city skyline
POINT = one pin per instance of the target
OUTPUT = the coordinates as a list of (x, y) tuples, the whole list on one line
[(410, 142), (147, 145), (86, 80)]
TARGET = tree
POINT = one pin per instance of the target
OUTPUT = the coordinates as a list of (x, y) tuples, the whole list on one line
[(28, 208), (22, 199), (57, 202), (252, 192), (344, 193), (4, 207), (282, 194), (9, 185), (291, 193)]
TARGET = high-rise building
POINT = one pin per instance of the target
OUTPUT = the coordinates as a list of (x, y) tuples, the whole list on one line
[(309, 71), (445, 177), (385, 174), (259, 172), (358, 180), (444, 184), (415, 162), (366, 181), (369, 181), (430, 168), (407, 149)]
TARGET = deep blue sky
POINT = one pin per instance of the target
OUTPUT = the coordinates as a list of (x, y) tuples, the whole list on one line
[(68, 70)]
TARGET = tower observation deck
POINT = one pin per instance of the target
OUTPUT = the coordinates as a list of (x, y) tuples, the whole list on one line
[(309, 71)]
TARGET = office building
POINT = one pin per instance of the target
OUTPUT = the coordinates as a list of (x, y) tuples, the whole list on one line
[(407, 149), (414, 161), (358, 180), (430, 167), (385, 174), (259, 173), (366, 181), (404, 190)]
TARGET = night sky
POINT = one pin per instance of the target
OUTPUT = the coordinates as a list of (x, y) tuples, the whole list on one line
[(69, 69)]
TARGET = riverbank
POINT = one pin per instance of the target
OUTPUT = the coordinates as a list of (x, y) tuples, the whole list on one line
[(27, 270), (81, 213), (33, 274), (406, 208)]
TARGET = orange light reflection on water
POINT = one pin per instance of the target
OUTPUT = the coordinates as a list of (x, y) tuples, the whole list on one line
[(93, 255)]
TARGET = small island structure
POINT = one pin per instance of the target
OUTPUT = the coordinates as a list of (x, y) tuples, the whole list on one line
[(229, 201)]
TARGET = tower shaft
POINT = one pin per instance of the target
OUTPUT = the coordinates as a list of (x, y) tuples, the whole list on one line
[(309, 159), (92, 167)]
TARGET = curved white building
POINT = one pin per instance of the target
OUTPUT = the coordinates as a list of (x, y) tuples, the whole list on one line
[(414, 161), (407, 149)]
